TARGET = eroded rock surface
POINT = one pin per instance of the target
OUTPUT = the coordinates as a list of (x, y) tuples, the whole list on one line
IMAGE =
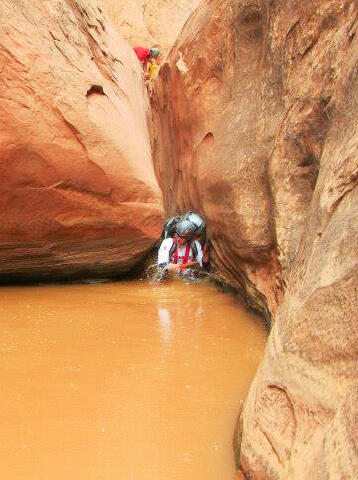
[(149, 22), (255, 126), (78, 190), (212, 140)]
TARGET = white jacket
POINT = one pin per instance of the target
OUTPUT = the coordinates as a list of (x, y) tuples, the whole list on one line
[(163, 253)]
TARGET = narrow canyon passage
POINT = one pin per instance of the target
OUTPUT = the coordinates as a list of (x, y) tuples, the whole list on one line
[(125, 381)]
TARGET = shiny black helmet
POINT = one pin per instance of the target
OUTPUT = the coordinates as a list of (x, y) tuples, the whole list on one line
[(186, 229)]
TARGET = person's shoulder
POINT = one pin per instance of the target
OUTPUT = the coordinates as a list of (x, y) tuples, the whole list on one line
[(167, 243)]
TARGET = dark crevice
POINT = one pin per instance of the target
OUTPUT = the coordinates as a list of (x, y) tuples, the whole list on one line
[(95, 89), (209, 138), (309, 160)]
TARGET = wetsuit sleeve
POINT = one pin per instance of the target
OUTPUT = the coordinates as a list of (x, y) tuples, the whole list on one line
[(199, 257), (163, 252)]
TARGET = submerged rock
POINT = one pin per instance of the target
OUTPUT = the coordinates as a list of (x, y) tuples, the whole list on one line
[(79, 194), (255, 126)]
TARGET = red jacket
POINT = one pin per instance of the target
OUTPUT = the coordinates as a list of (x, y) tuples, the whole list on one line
[(142, 53)]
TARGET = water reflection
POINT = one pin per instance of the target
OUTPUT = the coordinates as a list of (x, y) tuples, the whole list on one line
[(180, 318), (165, 325)]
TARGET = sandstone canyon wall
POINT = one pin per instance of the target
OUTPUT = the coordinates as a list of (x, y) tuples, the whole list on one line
[(149, 22), (78, 190), (255, 126)]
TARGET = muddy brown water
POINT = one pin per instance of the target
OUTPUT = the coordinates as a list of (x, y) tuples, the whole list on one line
[(125, 381)]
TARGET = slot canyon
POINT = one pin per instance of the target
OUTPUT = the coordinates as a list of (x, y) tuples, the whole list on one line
[(252, 123)]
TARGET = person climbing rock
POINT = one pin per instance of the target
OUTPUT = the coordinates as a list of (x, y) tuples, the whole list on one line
[(181, 253), (152, 71), (145, 53)]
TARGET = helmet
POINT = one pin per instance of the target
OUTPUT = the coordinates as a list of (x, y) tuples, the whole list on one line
[(197, 220), (154, 52), (185, 229)]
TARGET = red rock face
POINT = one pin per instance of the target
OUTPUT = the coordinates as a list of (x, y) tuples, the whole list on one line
[(217, 138), (255, 126), (79, 195)]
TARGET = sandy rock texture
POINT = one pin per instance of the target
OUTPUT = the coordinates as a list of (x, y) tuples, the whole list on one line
[(255, 126), (78, 190), (149, 22), (212, 139)]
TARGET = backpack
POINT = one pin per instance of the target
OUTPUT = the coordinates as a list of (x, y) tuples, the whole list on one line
[(169, 227), (169, 231)]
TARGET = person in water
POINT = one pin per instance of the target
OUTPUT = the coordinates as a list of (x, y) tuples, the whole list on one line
[(181, 253), (200, 231)]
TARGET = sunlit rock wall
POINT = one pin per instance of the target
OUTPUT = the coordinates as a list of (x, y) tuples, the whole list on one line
[(255, 126), (78, 190), (149, 22)]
